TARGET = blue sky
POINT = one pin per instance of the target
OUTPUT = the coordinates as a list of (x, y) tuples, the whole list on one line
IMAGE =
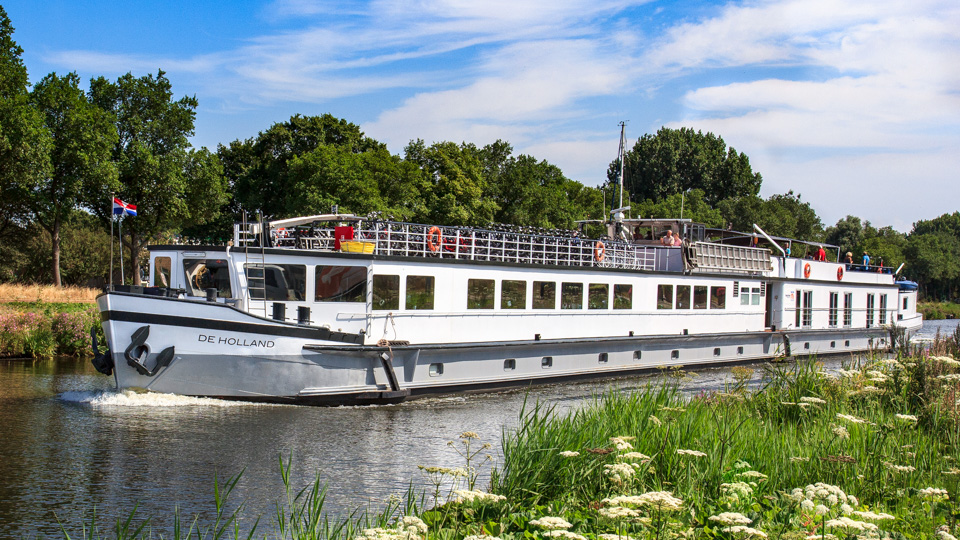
[(855, 105)]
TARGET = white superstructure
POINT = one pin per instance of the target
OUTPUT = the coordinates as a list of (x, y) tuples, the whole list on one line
[(341, 309)]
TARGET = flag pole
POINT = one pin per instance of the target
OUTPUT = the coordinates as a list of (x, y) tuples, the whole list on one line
[(110, 279), (123, 280)]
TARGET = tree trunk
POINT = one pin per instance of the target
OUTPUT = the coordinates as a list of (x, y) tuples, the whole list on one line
[(55, 241)]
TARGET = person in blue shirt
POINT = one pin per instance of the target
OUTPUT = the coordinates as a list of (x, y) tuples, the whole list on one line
[(866, 260)]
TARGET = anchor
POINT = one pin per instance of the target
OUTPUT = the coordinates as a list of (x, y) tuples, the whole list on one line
[(102, 362), (136, 353)]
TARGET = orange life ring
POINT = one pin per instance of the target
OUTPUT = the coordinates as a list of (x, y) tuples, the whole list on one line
[(839, 273), (806, 270), (599, 251), (434, 247)]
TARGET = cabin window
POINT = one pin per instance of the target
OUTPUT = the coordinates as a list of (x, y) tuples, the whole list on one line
[(436, 370), (571, 296), (161, 272), (716, 351), (664, 296), (419, 292), (755, 296), (480, 293), (277, 282), (807, 309), (883, 309), (905, 304), (340, 284), (603, 358), (637, 355), (745, 296), (598, 296), (718, 297), (386, 292), (683, 297), (871, 299), (799, 310), (203, 274), (700, 297), (834, 305), (623, 297), (739, 350), (546, 362), (513, 294), (848, 309), (510, 364), (544, 295)]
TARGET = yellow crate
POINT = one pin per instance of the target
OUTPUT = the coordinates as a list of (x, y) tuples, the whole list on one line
[(357, 246)]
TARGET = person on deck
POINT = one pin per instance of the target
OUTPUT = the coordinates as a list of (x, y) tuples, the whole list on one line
[(677, 241), (866, 260), (821, 254), (667, 239), (848, 260)]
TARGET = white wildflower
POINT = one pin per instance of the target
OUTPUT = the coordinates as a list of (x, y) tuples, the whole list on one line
[(607, 536), (736, 492), (850, 524), (621, 443), (872, 515), (950, 377), (634, 456), (814, 400), (662, 500), (481, 537), (753, 474), (569, 453), (807, 505), (551, 523), (744, 531), (476, 495), (899, 468), (841, 432), (944, 534), (820, 510), (731, 518), (906, 418), (799, 459), (620, 472), (846, 509), (618, 512), (413, 524), (655, 421), (934, 494), (851, 419), (695, 453), (564, 534)]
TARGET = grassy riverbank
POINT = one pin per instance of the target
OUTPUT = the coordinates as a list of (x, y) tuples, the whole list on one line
[(870, 451), (43, 321), (939, 310)]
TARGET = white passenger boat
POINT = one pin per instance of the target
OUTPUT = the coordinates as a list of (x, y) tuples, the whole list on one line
[(337, 309)]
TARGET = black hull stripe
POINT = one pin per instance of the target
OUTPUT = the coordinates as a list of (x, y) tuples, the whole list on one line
[(232, 326)]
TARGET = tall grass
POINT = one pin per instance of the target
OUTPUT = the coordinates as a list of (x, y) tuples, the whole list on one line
[(13, 292)]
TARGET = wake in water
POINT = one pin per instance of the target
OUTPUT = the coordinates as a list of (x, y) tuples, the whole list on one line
[(129, 398)]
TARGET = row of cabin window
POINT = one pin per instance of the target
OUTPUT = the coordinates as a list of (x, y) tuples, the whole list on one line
[(804, 316), (703, 296), (481, 294)]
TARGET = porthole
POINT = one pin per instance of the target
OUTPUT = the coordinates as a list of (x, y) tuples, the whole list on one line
[(675, 354), (436, 370), (739, 350), (546, 362), (716, 351), (846, 343), (510, 364), (603, 358), (637, 355), (833, 344), (806, 345)]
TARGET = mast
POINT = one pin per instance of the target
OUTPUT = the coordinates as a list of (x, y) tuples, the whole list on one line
[(623, 144)]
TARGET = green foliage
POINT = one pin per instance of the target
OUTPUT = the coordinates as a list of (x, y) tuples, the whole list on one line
[(781, 215), (85, 253), (81, 173), (44, 330), (939, 310), (173, 185), (691, 205), (675, 160)]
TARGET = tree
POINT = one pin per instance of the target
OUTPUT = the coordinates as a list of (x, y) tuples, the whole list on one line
[(675, 160), (172, 185), (934, 259), (847, 233), (691, 205), (453, 182), (81, 171), (259, 167), (23, 143), (781, 215)]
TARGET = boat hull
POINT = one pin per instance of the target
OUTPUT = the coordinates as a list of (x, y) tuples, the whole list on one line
[(222, 352)]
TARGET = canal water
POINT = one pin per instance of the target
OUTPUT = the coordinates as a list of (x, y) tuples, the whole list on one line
[(69, 444)]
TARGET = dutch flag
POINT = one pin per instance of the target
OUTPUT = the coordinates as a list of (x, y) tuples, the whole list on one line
[(121, 208)]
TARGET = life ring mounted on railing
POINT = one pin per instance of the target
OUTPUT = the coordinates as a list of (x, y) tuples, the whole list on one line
[(599, 251), (434, 246), (839, 273), (806, 270)]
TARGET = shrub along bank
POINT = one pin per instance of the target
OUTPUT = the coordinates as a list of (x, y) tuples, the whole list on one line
[(42, 330)]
